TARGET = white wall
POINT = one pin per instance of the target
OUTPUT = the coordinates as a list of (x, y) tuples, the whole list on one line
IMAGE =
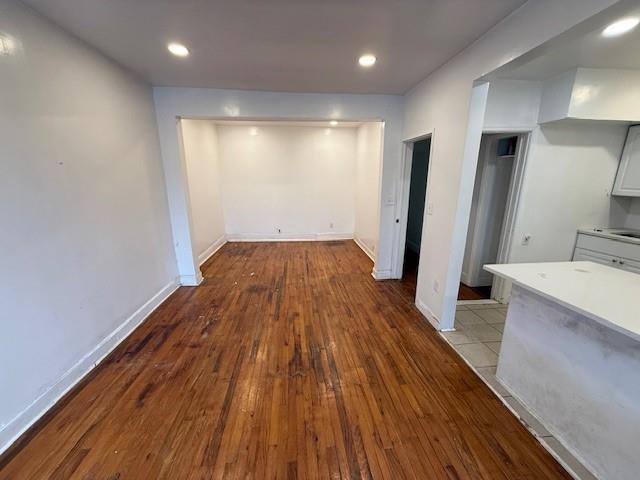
[(298, 179), (200, 145), (441, 104), (233, 104), (570, 170), (512, 104), (467, 262), (368, 170), (86, 243), (625, 212)]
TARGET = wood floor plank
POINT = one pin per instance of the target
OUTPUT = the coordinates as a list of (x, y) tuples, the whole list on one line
[(289, 361)]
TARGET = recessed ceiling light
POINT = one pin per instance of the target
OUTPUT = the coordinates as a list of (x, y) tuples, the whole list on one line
[(178, 49), (253, 131), (333, 123), (620, 27), (367, 60)]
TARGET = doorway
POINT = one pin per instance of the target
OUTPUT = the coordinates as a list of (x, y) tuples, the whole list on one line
[(488, 230), (418, 175)]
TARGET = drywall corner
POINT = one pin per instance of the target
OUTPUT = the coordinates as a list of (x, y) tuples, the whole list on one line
[(212, 249)]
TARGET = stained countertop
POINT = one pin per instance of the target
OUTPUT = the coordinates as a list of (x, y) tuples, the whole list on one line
[(609, 296)]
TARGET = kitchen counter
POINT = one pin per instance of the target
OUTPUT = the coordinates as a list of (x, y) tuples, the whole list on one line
[(607, 295), (612, 234), (570, 353)]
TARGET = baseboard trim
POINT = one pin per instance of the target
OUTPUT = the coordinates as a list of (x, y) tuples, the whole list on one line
[(478, 302), (325, 237), (304, 237), (429, 315), (381, 274), (213, 248), (364, 248), (191, 280), (31, 414)]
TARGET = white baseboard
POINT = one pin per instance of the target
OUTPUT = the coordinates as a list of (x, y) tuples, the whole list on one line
[(381, 274), (428, 314), (27, 417), (191, 280), (478, 302), (363, 246), (303, 237), (326, 237), (213, 248)]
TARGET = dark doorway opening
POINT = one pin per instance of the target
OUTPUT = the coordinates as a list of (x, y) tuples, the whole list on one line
[(415, 215)]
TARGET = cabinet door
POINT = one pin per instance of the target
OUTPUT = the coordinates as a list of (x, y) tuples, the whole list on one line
[(627, 182), (580, 254), (629, 265)]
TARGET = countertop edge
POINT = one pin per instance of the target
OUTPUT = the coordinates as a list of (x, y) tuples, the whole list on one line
[(610, 236), (570, 306)]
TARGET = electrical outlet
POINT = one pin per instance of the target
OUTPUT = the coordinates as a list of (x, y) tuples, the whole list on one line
[(331, 225), (526, 239), (430, 208), (279, 231)]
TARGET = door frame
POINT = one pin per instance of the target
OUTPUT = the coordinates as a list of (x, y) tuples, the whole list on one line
[(402, 208), (500, 286)]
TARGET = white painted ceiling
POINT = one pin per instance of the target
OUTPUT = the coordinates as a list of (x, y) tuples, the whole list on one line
[(280, 45), (588, 49)]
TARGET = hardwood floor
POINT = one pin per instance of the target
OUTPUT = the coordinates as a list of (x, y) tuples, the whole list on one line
[(474, 293), (288, 361)]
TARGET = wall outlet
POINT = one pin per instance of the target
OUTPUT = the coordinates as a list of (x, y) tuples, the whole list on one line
[(429, 208), (279, 231), (436, 286), (331, 225), (526, 239)]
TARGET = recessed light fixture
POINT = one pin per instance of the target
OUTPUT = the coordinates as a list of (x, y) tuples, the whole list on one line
[(333, 123), (253, 131), (178, 49), (621, 27), (367, 60)]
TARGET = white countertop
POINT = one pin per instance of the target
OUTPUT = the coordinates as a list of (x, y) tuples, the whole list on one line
[(611, 234), (607, 295)]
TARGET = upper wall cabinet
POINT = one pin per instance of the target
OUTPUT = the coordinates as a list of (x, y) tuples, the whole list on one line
[(627, 182), (591, 94)]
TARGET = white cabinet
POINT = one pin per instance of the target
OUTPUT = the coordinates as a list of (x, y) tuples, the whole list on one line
[(581, 255), (630, 265), (605, 251), (628, 177)]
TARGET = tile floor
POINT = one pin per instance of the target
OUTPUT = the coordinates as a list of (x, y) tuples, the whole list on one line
[(477, 339)]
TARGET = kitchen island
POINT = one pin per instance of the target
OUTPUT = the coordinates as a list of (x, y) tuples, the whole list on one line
[(571, 354)]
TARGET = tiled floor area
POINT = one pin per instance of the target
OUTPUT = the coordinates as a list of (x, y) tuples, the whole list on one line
[(477, 339)]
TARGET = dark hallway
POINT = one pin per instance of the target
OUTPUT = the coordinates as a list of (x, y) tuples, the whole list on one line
[(415, 215)]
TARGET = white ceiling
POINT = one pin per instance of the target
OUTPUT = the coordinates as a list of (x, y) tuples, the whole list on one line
[(588, 49), (280, 45)]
